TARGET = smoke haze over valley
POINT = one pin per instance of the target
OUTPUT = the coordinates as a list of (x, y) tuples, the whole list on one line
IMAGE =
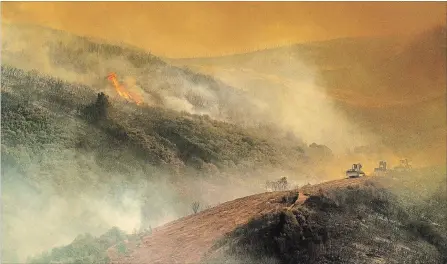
[(79, 157)]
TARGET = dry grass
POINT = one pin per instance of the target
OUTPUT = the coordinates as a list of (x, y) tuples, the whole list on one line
[(187, 240)]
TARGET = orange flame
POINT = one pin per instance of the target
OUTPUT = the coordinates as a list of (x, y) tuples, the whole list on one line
[(122, 91)]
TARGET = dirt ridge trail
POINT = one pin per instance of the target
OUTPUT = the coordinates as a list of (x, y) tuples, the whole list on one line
[(187, 239)]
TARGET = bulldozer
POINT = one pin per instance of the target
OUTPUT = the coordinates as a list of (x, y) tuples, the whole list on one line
[(404, 166), (355, 171), (381, 170)]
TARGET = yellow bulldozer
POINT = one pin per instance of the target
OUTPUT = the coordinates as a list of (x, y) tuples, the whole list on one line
[(381, 170), (404, 166), (355, 171)]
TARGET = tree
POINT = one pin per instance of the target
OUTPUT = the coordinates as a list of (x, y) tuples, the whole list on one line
[(195, 207), (98, 110), (279, 185)]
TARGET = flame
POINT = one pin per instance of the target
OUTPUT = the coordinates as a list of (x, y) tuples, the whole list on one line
[(122, 91)]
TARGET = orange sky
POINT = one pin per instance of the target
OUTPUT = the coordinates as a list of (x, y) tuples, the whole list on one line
[(194, 29)]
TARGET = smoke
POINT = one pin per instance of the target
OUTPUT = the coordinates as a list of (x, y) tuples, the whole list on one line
[(292, 97), (72, 199), (36, 222), (282, 92), (70, 59), (29, 49), (78, 196)]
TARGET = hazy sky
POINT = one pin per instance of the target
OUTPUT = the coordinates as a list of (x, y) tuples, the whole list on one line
[(191, 29)]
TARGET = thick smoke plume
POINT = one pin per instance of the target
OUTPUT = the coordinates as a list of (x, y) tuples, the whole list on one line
[(294, 100), (292, 105), (286, 95)]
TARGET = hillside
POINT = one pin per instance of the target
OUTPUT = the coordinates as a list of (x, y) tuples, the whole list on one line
[(386, 66), (61, 139), (329, 222), (87, 61), (82, 60), (157, 135), (389, 89), (79, 155)]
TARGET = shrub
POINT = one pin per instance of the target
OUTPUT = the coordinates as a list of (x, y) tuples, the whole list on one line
[(195, 207), (85, 249), (98, 110), (279, 185), (427, 232)]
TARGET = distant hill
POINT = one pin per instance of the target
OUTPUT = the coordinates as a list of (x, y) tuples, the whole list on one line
[(392, 88), (365, 62)]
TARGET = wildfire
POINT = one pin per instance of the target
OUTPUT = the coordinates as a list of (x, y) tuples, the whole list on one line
[(122, 91)]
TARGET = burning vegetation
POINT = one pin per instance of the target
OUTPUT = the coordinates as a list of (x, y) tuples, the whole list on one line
[(123, 92)]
